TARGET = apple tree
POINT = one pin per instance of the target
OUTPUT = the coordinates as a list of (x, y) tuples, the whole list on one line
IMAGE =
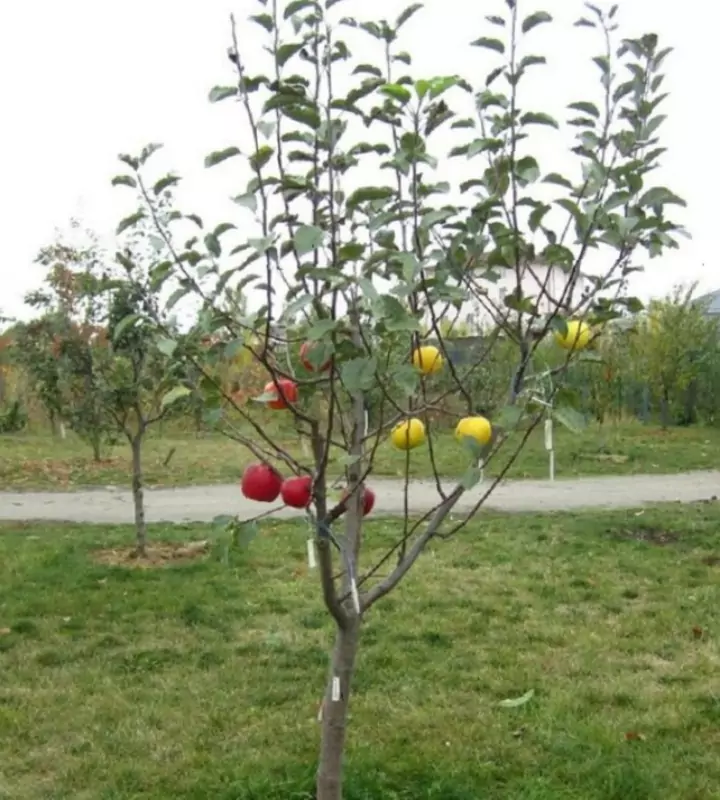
[(674, 349), (350, 219), (60, 349)]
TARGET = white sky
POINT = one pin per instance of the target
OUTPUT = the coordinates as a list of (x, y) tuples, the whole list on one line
[(82, 81)]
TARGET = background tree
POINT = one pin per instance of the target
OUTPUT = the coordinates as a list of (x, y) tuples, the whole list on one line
[(676, 347), (356, 230), (61, 348), (94, 362)]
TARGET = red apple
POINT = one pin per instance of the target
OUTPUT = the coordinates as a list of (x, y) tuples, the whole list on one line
[(305, 349), (288, 392), (368, 497), (297, 492), (261, 482)]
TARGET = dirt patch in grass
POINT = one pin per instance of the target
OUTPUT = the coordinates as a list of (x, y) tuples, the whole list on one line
[(158, 554), (652, 535), (711, 561)]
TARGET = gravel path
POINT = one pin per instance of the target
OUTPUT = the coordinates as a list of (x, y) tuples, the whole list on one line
[(203, 503)]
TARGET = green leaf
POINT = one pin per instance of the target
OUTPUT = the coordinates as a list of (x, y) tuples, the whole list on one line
[(305, 115), (571, 207), (367, 288), (292, 308), (422, 87), (516, 702), (351, 251), (569, 418), (322, 328), (558, 179), (167, 346), (536, 216), (440, 85), (586, 108), (489, 43), (538, 118), (286, 51), (471, 477), (406, 13), (247, 201), (308, 238), (124, 180), (264, 20), (407, 377), (266, 127), (219, 156), (174, 395), (527, 169), (297, 5), (218, 93), (538, 18), (508, 417), (234, 348), (261, 245), (260, 158), (222, 521), (358, 375), (165, 183), (130, 221), (213, 245), (365, 193), (396, 316), (148, 151), (531, 61), (660, 196), (243, 533), (397, 92)]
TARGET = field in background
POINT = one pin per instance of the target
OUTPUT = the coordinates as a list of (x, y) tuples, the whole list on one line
[(41, 461), (203, 680)]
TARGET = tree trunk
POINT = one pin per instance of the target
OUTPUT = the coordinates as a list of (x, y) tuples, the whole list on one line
[(97, 455), (335, 711), (137, 493)]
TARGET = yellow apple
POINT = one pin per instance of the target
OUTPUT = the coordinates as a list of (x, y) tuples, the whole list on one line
[(409, 434), (577, 338), (477, 428), (427, 359)]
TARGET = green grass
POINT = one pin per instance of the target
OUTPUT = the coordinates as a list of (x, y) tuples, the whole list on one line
[(29, 462), (202, 680)]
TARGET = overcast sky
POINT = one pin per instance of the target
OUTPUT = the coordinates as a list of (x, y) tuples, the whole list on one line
[(82, 81)]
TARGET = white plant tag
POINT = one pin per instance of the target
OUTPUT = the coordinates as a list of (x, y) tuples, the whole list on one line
[(355, 596), (335, 691), (312, 560), (548, 434)]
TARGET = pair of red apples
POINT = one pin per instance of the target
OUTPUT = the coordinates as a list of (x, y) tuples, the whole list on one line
[(263, 483), (286, 390)]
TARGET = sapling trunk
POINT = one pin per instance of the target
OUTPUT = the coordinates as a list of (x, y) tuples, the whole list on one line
[(335, 712), (138, 496)]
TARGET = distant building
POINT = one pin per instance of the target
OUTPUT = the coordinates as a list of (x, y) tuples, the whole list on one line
[(544, 284), (711, 302)]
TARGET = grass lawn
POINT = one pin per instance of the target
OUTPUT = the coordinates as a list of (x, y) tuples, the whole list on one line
[(30, 462), (202, 680)]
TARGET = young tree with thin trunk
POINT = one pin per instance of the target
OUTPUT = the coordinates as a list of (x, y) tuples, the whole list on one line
[(60, 349), (354, 230)]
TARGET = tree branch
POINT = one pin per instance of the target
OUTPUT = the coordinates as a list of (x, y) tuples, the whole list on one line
[(391, 581)]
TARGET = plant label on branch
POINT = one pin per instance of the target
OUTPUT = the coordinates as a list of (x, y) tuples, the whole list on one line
[(550, 448), (312, 559), (548, 434), (335, 689)]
